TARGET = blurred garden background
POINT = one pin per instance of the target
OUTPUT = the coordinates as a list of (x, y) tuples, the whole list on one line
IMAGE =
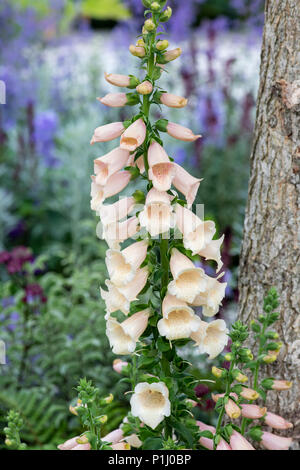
[(53, 56)]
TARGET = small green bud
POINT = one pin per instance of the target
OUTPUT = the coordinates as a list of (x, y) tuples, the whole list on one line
[(108, 399), (256, 433), (228, 357), (149, 25), (219, 373), (161, 125), (155, 6), (272, 335), (139, 197), (162, 45), (146, 3), (8, 442), (166, 15), (133, 83), (255, 326), (269, 358), (102, 419)]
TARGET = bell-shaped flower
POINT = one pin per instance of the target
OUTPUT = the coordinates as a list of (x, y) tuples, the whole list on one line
[(111, 213), (209, 443), (272, 442), (121, 80), (150, 403), (212, 251), (115, 184), (161, 170), (232, 409), (114, 100), (124, 336), (211, 299), (187, 184), (106, 166), (119, 298), (196, 233), (173, 101), (157, 216), (134, 441), (280, 385), (133, 136), (276, 422), (107, 132), (179, 320), (117, 232), (122, 265), (113, 437), (188, 281), (211, 338), (181, 133), (72, 444), (253, 411), (238, 442), (173, 54)]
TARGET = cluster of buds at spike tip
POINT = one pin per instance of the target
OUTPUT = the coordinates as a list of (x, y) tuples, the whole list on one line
[(148, 218)]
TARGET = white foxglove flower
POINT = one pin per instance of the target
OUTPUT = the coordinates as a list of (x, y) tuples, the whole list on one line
[(150, 403), (106, 166), (111, 213), (161, 169), (211, 338), (212, 297), (122, 265), (187, 184), (212, 251), (117, 232), (157, 216), (119, 298), (179, 320), (115, 184), (188, 281), (124, 336), (197, 234)]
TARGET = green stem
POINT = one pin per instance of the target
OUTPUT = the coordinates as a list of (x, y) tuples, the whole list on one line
[(227, 393), (260, 349)]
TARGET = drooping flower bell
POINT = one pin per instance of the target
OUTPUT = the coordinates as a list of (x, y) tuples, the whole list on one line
[(133, 136), (108, 132), (124, 336), (150, 403), (211, 338), (179, 320), (157, 216), (122, 265)]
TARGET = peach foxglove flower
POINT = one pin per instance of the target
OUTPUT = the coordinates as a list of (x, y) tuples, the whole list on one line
[(173, 101), (161, 169), (281, 385), (212, 251), (238, 442), (137, 51), (216, 396), (122, 265), (114, 100), (115, 184), (211, 338), (249, 394), (133, 440), (276, 422), (72, 444), (187, 184), (106, 166), (111, 213), (120, 446), (124, 336), (172, 55), (144, 88), (178, 321), (108, 132), (150, 403), (232, 409), (121, 80), (157, 216), (119, 298), (208, 443), (117, 232), (253, 411), (181, 133), (188, 281), (133, 136), (114, 436), (272, 442), (211, 298), (118, 365), (196, 233)]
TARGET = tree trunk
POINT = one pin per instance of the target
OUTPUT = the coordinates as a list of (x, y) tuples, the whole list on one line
[(270, 252)]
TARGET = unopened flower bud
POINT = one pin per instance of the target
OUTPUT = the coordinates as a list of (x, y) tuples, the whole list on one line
[(239, 376), (72, 410), (149, 25), (137, 51), (166, 15), (277, 384), (228, 357), (144, 88), (269, 358), (218, 372), (8, 442), (162, 45), (102, 419), (232, 409), (249, 394), (155, 6), (82, 440), (108, 399), (168, 56)]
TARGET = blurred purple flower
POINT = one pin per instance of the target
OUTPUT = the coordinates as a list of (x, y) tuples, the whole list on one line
[(201, 390), (34, 293), (46, 125), (14, 318)]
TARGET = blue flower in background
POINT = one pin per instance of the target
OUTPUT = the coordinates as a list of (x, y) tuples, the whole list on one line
[(46, 125)]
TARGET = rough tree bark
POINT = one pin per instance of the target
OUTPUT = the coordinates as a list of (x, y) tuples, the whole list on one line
[(270, 251)]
